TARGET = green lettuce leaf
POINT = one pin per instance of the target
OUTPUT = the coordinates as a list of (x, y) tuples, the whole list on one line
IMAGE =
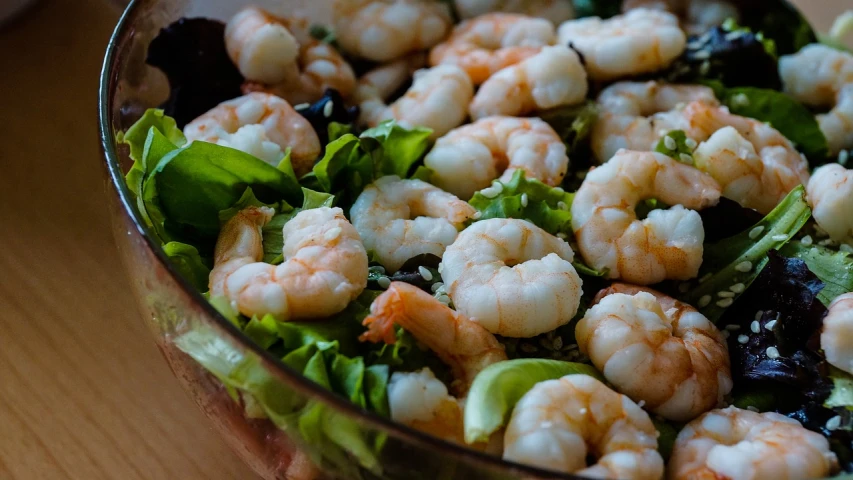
[(138, 138), (395, 149), (833, 268), (762, 399), (573, 124), (667, 433), (679, 140), (842, 390), (248, 199), (736, 261), (499, 387), (785, 114), (263, 331), (780, 21), (597, 8), (189, 264)]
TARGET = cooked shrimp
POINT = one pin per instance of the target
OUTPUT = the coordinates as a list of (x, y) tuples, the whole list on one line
[(836, 339), (383, 81), (421, 401), (559, 424), (656, 350), (277, 55), (821, 76), (282, 125), (553, 77), (512, 277), (325, 265), (639, 41), (757, 182), (382, 30), (636, 115), (470, 157), (739, 444), (555, 11), (830, 194), (400, 219), (464, 345), (438, 99), (492, 42), (698, 16), (668, 243)]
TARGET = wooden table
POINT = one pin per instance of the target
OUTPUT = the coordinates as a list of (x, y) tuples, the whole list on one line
[(83, 392)]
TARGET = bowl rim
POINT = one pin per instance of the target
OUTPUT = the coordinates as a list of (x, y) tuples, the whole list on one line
[(304, 385)]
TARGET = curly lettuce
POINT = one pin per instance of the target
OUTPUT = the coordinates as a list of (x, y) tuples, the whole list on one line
[(833, 268)]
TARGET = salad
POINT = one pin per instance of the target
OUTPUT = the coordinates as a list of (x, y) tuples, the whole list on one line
[(595, 237)]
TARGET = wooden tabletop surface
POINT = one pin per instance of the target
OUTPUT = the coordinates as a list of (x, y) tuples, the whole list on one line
[(83, 392)]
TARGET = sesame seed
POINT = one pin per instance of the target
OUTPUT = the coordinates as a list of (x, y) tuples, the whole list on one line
[(732, 327), (752, 409), (477, 215), (436, 286), (425, 274), (327, 108), (702, 55), (669, 143), (843, 156), (779, 238), (234, 305), (690, 143), (490, 192), (704, 301), (725, 294), (759, 314), (807, 240), (845, 248), (772, 352), (562, 205), (826, 243), (744, 266), (583, 411), (755, 326), (332, 233), (523, 199), (833, 423), (685, 158), (683, 287), (384, 282), (641, 403), (726, 302), (440, 268), (740, 100), (562, 235), (302, 106), (738, 288), (380, 269), (755, 232), (559, 190), (498, 186), (742, 339), (769, 325), (444, 299), (705, 67)]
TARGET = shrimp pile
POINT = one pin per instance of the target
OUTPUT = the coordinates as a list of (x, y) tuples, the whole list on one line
[(830, 192)]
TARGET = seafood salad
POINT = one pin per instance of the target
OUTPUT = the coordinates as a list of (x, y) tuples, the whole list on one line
[(610, 239)]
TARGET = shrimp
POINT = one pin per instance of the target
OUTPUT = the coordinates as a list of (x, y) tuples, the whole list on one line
[(657, 350), (559, 424), (553, 77), (470, 157), (383, 30), (421, 401), (464, 345), (491, 42), (821, 76), (555, 11), (400, 219), (277, 55), (757, 182), (383, 81), (837, 334), (282, 126), (512, 277), (743, 445), (636, 115), (830, 194), (639, 41), (438, 99), (325, 265), (668, 243), (698, 16)]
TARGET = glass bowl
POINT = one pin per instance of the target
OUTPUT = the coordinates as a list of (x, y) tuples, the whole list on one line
[(172, 308)]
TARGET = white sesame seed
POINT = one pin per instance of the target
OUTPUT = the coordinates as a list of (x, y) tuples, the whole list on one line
[(843, 156), (755, 232), (332, 233), (641, 403), (772, 352), (734, 36), (444, 299), (752, 409), (425, 274), (826, 243), (738, 288), (384, 282), (779, 238), (583, 411), (380, 269), (725, 294), (559, 190), (489, 192), (690, 143), (755, 326), (769, 325), (524, 199), (732, 327), (685, 158), (477, 215), (807, 240), (702, 55), (742, 339), (704, 301), (302, 106), (845, 248), (440, 268), (669, 143), (759, 314), (562, 205), (327, 108), (705, 67), (744, 266), (833, 423), (234, 305), (683, 287), (498, 186), (436, 286), (726, 302), (740, 100), (562, 235)]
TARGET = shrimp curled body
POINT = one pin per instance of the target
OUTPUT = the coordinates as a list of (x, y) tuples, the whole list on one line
[(512, 277), (830, 194), (665, 245), (400, 219), (657, 350), (836, 339), (740, 444), (470, 157), (553, 77), (559, 423), (324, 268)]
